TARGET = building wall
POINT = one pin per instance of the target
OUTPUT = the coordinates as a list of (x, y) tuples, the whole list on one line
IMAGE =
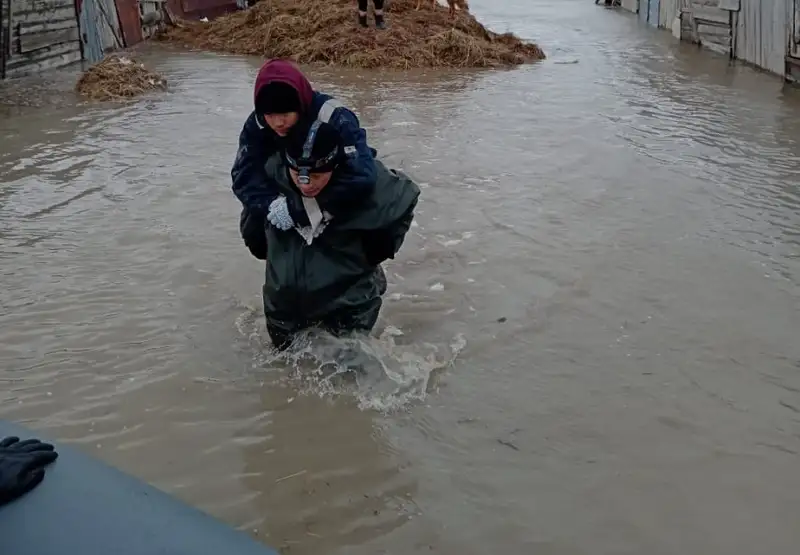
[(669, 9), (793, 7), (631, 5), (110, 33), (130, 21), (43, 35), (704, 23), (100, 30), (763, 31)]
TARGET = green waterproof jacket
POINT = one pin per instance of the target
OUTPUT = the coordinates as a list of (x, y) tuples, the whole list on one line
[(337, 272)]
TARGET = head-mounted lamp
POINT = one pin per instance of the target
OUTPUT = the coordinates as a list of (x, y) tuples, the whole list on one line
[(306, 164)]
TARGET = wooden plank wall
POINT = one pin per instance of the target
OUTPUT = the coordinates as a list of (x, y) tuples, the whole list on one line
[(44, 35), (704, 23)]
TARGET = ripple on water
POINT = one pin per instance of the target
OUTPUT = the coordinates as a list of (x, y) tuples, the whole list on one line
[(590, 251)]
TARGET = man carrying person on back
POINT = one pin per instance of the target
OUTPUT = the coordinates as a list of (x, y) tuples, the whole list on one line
[(327, 273)]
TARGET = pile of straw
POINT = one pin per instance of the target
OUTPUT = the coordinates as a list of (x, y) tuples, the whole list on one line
[(326, 32), (118, 77)]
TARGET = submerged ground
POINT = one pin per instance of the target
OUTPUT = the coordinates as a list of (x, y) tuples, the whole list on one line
[(608, 241)]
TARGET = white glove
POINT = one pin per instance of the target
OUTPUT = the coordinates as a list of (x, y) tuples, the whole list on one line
[(278, 214)]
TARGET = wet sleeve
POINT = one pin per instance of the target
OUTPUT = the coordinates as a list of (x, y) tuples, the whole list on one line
[(398, 229), (385, 243), (356, 177), (250, 183), (253, 232)]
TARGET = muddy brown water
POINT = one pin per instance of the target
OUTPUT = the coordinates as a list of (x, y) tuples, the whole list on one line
[(600, 305)]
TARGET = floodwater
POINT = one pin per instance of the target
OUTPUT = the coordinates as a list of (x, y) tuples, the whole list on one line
[(599, 305)]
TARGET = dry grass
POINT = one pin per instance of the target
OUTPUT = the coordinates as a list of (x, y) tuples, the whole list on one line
[(117, 77), (326, 32)]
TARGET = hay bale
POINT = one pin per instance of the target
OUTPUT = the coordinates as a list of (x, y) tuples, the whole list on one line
[(326, 32), (117, 77)]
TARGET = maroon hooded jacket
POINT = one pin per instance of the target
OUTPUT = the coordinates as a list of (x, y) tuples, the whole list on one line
[(283, 71)]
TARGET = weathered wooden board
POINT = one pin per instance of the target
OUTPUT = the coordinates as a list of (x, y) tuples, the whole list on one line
[(57, 14), (29, 27), (43, 35), (43, 59), (35, 41)]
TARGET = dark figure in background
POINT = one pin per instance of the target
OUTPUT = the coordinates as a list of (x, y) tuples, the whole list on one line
[(22, 466), (362, 13)]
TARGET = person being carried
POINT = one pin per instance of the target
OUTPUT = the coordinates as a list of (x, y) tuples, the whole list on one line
[(328, 273), (283, 98)]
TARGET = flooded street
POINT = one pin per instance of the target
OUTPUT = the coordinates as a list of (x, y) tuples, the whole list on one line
[(600, 304)]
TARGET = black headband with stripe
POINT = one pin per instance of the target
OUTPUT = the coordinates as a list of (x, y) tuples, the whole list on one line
[(307, 164)]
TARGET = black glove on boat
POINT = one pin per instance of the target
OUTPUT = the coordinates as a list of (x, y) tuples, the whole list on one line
[(22, 466)]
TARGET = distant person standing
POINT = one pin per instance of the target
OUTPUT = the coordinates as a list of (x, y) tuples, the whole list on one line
[(362, 13)]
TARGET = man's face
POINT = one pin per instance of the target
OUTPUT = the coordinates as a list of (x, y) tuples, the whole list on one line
[(318, 182), (282, 123)]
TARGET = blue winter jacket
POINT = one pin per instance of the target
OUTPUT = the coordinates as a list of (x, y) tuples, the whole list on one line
[(355, 178)]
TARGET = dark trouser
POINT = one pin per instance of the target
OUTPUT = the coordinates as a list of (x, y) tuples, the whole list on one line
[(358, 318), (362, 5)]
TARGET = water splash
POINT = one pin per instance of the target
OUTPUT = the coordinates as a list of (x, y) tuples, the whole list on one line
[(380, 373)]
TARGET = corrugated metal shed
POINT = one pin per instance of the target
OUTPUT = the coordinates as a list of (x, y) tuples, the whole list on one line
[(38, 35), (763, 33)]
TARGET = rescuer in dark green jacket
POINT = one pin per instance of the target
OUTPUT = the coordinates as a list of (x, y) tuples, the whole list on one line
[(327, 274)]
